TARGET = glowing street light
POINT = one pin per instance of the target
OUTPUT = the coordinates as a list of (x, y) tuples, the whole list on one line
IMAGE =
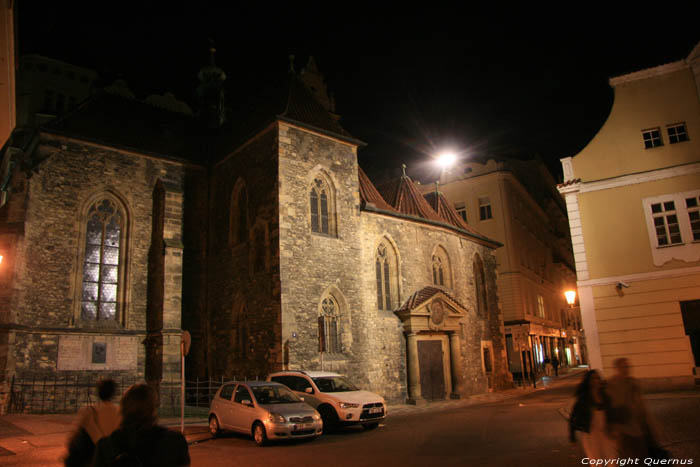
[(570, 297), (446, 159)]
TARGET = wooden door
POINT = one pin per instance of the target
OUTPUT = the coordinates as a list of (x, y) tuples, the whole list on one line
[(432, 376)]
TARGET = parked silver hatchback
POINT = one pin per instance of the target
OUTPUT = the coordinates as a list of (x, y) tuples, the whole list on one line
[(263, 409)]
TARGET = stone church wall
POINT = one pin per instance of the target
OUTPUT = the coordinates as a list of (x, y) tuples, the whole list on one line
[(49, 274), (243, 276), (315, 265)]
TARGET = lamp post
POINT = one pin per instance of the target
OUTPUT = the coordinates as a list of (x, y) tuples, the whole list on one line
[(570, 297)]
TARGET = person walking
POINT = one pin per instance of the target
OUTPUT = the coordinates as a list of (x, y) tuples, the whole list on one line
[(94, 423), (555, 365), (629, 419), (589, 416), (139, 440)]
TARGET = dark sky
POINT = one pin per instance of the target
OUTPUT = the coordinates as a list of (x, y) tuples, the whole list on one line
[(503, 82)]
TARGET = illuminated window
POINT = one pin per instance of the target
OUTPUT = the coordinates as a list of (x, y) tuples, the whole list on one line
[(652, 138), (329, 327), (677, 133), (461, 209), (485, 209), (103, 261), (322, 207), (540, 306)]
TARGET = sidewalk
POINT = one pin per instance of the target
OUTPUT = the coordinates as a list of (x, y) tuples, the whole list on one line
[(20, 433)]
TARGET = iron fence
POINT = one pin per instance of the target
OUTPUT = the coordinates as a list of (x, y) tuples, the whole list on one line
[(53, 394)]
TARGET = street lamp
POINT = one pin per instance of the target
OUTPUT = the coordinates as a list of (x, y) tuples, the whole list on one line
[(446, 159), (570, 297)]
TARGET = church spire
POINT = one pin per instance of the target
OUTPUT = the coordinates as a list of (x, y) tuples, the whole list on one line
[(210, 91)]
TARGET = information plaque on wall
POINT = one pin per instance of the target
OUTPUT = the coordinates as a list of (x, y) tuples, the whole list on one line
[(97, 352)]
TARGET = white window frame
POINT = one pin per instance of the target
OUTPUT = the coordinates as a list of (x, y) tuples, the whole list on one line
[(485, 211), (648, 136), (540, 306), (689, 249), (680, 133)]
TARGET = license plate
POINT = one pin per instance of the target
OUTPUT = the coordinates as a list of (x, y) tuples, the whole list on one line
[(303, 426), (375, 410)]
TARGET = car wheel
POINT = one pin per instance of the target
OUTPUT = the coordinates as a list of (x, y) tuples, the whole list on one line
[(329, 417), (370, 426), (214, 427), (259, 434)]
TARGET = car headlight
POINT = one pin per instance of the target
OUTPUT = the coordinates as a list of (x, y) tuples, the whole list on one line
[(348, 405), (276, 418), (316, 416)]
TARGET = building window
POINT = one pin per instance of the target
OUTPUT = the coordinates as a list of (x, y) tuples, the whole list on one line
[(461, 209), (677, 133), (540, 306), (383, 279), (666, 223), (238, 217), (673, 224), (103, 260), (321, 204), (652, 138), (438, 271), (441, 268), (480, 285), (692, 204), (485, 209), (329, 327)]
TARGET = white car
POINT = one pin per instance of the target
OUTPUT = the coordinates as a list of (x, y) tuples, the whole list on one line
[(263, 409), (337, 400)]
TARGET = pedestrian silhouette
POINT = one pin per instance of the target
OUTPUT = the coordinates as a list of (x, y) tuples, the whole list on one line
[(94, 423), (589, 416), (139, 440)]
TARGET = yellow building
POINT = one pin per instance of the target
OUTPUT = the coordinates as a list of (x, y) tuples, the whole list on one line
[(7, 70), (517, 203), (633, 197)]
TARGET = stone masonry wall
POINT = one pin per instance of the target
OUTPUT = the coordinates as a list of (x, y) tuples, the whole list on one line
[(243, 297), (48, 275)]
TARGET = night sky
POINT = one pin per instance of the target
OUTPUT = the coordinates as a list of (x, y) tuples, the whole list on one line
[(510, 83)]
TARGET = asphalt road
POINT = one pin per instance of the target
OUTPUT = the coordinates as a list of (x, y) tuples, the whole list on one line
[(529, 430)]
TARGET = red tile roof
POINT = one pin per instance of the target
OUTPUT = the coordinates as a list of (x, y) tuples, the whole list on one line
[(403, 195), (445, 210), (423, 295), (369, 194)]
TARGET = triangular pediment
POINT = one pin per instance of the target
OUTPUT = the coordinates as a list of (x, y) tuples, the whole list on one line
[(431, 308)]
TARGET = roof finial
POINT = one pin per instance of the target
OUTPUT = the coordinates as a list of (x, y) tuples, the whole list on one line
[(403, 167), (437, 187), (291, 63), (212, 52)]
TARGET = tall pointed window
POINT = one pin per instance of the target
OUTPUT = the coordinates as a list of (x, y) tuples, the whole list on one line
[(329, 327), (441, 268), (322, 207), (480, 285), (382, 267), (238, 218), (102, 262)]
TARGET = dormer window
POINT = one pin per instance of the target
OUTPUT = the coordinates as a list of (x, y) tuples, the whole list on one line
[(677, 133), (652, 138)]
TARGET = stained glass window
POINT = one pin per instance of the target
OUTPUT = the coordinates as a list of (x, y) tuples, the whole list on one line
[(103, 241), (329, 326)]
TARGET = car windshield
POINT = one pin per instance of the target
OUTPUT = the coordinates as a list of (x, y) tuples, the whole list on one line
[(274, 394), (334, 384)]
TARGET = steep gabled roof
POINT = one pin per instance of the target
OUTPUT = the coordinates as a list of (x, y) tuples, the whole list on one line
[(369, 194), (129, 124), (444, 209), (403, 196)]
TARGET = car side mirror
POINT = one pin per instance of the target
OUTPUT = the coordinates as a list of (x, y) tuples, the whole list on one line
[(309, 390)]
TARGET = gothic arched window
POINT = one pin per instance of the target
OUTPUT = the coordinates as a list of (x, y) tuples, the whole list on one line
[(103, 261), (322, 207), (480, 285), (329, 326), (238, 219), (386, 274), (441, 268)]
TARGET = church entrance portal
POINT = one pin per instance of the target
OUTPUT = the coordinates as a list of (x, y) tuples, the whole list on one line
[(432, 377)]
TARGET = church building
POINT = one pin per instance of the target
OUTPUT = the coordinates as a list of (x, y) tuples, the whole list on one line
[(126, 222)]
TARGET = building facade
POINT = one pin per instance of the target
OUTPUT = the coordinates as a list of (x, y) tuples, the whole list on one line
[(632, 195), (516, 203), (127, 222)]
